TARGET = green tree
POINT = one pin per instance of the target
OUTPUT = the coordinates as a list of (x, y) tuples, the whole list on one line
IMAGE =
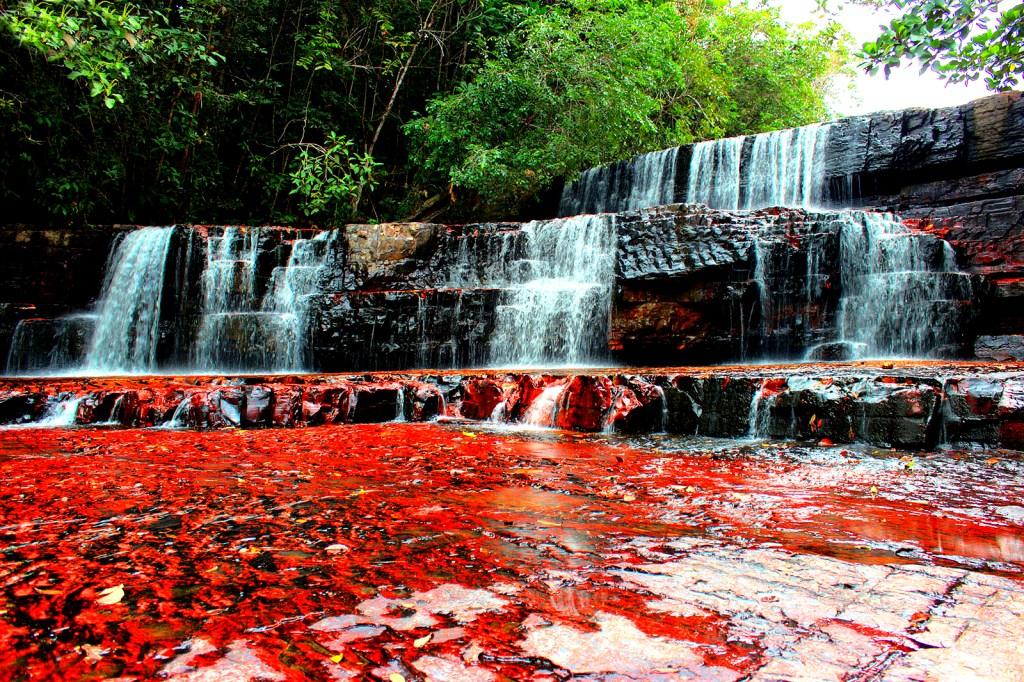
[(962, 40), (585, 82)]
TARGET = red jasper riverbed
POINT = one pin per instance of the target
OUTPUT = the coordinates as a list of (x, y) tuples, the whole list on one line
[(451, 552)]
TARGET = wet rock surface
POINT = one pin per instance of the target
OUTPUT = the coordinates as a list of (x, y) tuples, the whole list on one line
[(456, 552), (914, 405)]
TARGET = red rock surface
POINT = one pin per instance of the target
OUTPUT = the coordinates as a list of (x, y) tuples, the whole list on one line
[(906, 404), (435, 552)]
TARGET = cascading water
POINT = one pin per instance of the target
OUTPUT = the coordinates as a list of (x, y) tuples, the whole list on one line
[(871, 287), (902, 292), (244, 330), (128, 313), (784, 168), (558, 313), (644, 181), (714, 178)]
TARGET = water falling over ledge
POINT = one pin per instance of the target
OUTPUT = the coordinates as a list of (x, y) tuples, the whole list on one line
[(643, 181), (780, 168), (128, 311), (558, 312)]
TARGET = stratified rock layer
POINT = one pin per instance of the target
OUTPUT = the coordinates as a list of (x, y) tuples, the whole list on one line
[(912, 405)]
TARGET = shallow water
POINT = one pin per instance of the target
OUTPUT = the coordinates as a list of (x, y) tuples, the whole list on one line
[(332, 552)]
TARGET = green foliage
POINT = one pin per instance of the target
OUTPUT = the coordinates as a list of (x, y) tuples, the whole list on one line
[(962, 40), (282, 110), (92, 39), (585, 82), (331, 176)]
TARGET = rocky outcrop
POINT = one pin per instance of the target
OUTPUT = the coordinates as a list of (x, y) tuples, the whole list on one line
[(699, 286), (692, 285), (913, 406)]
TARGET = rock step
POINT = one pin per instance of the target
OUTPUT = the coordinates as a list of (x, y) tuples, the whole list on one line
[(909, 405)]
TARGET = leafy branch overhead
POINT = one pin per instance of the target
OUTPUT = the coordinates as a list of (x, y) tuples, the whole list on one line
[(331, 178), (962, 40), (96, 41)]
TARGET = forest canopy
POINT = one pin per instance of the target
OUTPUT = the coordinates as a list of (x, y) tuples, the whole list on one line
[(323, 111)]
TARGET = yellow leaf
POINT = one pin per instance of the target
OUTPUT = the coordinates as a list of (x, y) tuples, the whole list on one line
[(628, 497), (339, 658), (874, 490), (361, 491), (396, 677), (422, 641), (111, 595), (468, 434)]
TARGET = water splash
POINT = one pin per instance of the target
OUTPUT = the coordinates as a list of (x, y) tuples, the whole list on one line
[(643, 181), (128, 312), (61, 412), (543, 411)]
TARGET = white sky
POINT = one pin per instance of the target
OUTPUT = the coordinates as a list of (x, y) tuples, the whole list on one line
[(905, 88)]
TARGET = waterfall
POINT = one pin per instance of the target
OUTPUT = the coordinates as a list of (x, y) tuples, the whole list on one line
[(714, 178), (128, 313), (783, 168), (855, 284), (243, 329), (901, 290), (644, 181), (558, 312)]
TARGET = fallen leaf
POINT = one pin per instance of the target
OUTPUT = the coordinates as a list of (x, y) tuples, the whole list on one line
[(874, 490), (423, 641), (336, 548), (338, 658), (396, 677), (628, 497), (469, 434), (111, 595), (993, 460)]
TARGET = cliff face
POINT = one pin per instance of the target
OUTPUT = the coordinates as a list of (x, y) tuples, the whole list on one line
[(960, 173), (689, 284)]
